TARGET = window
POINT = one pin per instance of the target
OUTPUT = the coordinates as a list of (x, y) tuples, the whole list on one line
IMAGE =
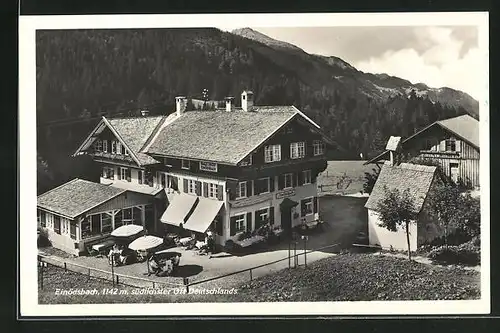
[(50, 221), (263, 185), (307, 206), (240, 223), (127, 216), (86, 228), (113, 147), (123, 173), (318, 147), (42, 218), (246, 161), (191, 186), (140, 176), (289, 130), (241, 191), (105, 146), (263, 214), (185, 164), (105, 223), (272, 153), (450, 145), (108, 172), (208, 166), (306, 175), (118, 147), (288, 181), (212, 190), (98, 146), (118, 219), (65, 226), (57, 224), (297, 149)]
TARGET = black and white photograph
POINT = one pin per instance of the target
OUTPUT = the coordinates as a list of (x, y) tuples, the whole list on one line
[(256, 164)]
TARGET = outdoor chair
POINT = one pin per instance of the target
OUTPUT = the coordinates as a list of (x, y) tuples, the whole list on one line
[(92, 252)]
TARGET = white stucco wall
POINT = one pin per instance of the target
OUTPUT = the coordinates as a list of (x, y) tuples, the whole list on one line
[(381, 236)]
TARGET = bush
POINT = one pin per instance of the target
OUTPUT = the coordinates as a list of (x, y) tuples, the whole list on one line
[(43, 238), (467, 254)]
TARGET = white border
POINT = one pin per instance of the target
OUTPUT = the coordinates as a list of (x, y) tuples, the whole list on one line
[(27, 127)]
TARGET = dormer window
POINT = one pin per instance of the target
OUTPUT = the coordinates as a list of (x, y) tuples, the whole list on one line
[(272, 153), (118, 148), (318, 147), (246, 161), (185, 164), (297, 150), (450, 145), (208, 166), (98, 146)]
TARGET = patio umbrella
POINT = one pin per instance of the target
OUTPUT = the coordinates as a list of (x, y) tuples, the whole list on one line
[(127, 230), (144, 243)]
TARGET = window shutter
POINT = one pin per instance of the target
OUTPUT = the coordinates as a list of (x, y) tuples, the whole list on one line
[(139, 176), (314, 175), (198, 187), (281, 182), (258, 221), (232, 190), (315, 204), (294, 179), (72, 229), (220, 192), (249, 188), (271, 184), (442, 145), (185, 185), (129, 173), (302, 208), (249, 221), (205, 190), (232, 226), (218, 225), (119, 173), (300, 178), (257, 187), (271, 215), (458, 145), (174, 183)]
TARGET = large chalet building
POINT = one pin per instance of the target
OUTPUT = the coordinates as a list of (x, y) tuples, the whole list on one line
[(452, 144), (228, 171)]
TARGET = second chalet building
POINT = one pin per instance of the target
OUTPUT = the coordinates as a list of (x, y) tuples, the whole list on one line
[(227, 171)]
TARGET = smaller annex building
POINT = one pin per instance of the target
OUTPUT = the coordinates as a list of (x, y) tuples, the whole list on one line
[(81, 213), (419, 180)]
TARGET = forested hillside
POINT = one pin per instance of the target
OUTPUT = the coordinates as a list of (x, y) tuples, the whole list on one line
[(82, 74)]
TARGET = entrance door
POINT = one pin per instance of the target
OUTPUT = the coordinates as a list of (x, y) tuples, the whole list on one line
[(454, 172), (286, 219)]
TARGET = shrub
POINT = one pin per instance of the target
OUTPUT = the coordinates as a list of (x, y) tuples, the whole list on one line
[(43, 238), (465, 254)]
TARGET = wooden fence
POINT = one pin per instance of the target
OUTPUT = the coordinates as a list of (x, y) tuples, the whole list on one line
[(294, 252)]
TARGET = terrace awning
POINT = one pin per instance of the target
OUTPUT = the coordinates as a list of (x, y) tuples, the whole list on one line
[(178, 209), (203, 215)]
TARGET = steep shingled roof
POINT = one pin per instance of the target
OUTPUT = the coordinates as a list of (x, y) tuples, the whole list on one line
[(416, 178), (464, 127), (220, 136), (76, 197), (135, 132)]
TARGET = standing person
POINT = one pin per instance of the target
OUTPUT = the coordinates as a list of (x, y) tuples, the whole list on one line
[(209, 240)]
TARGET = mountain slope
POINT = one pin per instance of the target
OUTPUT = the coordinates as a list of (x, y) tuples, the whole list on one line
[(88, 73), (381, 86)]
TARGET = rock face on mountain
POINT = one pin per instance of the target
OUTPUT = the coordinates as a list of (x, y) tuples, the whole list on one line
[(83, 74)]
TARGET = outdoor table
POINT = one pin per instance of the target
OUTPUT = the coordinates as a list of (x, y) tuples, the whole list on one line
[(101, 247), (185, 240)]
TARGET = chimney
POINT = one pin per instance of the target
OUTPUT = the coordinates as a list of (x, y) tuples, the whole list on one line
[(144, 113), (180, 105), (229, 103), (246, 100), (394, 147)]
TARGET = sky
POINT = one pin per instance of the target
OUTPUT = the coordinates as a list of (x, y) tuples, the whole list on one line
[(439, 56)]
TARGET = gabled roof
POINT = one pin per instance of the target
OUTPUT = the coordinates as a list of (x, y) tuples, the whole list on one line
[(132, 132), (76, 197), (222, 136), (464, 127), (416, 178)]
